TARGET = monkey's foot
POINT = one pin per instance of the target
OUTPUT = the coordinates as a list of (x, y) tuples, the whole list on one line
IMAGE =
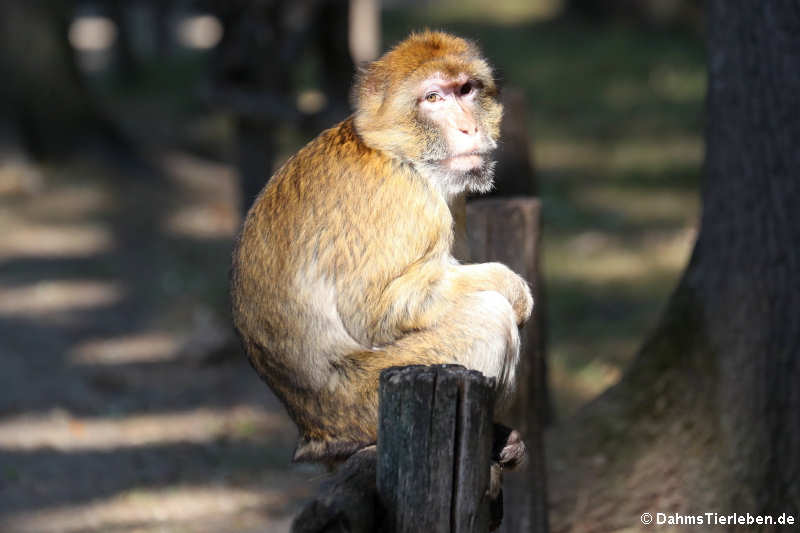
[(508, 449), (326, 451), (508, 452)]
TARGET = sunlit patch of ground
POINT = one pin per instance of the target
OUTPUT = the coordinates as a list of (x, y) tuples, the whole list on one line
[(208, 207), (56, 224), (18, 176), (619, 157), (650, 206), (60, 430), (180, 508), (78, 240), (135, 348), (192, 338), (599, 258), (65, 201), (50, 296)]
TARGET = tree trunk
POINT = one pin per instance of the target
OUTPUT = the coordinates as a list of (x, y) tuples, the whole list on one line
[(331, 31), (707, 419), (126, 65), (163, 27), (260, 92), (43, 94)]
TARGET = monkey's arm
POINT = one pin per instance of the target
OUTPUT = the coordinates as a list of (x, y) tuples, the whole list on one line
[(427, 290), (494, 277)]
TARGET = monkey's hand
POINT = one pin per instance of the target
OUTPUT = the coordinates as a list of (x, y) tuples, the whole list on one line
[(515, 289), (522, 299), (496, 277)]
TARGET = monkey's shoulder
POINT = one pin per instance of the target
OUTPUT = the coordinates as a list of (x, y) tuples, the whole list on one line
[(340, 194), (338, 170), (336, 159), (341, 146)]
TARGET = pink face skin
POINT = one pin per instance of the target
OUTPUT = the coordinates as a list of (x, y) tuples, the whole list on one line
[(450, 103)]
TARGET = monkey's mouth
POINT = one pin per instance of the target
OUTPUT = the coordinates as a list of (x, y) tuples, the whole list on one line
[(466, 161)]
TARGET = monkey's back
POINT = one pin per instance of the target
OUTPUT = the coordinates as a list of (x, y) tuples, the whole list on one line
[(329, 232)]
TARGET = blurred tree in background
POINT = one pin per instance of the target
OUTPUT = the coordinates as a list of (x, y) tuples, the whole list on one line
[(46, 104), (255, 67), (706, 417)]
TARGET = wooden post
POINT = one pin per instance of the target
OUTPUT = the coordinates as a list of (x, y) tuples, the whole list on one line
[(434, 442), (507, 230), (431, 465)]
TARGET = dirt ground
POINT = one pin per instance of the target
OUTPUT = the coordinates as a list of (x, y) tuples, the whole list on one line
[(124, 402)]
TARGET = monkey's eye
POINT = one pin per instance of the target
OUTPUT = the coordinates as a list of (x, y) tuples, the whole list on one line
[(466, 88), (432, 97)]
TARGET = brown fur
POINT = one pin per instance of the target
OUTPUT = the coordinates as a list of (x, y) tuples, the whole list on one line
[(343, 265), (383, 94)]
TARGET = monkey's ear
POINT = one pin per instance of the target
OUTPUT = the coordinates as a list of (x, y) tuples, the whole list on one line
[(353, 97), (370, 78), (358, 83), (369, 88)]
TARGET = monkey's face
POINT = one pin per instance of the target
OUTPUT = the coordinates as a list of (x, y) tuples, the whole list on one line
[(431, 102), (458, 124)]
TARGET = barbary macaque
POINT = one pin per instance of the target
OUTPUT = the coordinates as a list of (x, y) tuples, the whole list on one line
[(344, 268)]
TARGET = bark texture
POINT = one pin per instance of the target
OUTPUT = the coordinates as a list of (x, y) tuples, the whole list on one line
[(707, 419), (746, 268)]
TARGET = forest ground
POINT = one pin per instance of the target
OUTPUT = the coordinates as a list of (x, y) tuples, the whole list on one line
[(122, 407)]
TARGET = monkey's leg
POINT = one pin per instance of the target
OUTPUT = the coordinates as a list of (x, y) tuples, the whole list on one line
[(479, 331)]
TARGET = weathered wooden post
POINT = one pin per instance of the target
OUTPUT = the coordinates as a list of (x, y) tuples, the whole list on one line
[(434, 443), (507, 230), (430, 472)]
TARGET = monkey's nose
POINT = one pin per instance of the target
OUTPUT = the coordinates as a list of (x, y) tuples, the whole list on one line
[(468, 128), (463, 122)]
